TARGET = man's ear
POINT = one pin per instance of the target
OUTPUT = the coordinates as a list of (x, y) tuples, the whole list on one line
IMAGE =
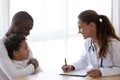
[(16, 23)]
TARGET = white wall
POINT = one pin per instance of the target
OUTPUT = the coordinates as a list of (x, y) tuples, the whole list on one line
[(4, 16), (116, 15)]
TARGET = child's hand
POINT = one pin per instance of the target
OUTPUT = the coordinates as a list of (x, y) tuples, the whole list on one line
[(34, 62)]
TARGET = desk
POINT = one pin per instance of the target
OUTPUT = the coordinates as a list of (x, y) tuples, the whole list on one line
[(55, 76)]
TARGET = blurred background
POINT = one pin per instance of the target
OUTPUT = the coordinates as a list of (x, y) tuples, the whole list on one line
[(55, 32)]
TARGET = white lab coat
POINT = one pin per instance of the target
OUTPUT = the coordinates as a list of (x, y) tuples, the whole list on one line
[(8, 67), (111, 64)]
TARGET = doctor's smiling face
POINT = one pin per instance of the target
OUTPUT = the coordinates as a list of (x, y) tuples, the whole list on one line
[(87, 30)]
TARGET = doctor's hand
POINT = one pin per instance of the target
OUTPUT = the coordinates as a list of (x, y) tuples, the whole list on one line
[(67, 68), (94, 73)]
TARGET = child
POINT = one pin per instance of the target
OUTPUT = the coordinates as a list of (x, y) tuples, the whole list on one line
[(18, 51)]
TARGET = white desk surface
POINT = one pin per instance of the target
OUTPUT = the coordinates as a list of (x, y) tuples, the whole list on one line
[(53, 75)]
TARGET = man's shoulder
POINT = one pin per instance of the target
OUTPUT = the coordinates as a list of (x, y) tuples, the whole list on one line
[(2, 39), (3, 50)]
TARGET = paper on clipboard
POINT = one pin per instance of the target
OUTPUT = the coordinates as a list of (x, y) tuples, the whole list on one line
[(80, 73)]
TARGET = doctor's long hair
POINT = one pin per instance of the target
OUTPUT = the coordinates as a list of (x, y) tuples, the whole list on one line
[(104, 29)]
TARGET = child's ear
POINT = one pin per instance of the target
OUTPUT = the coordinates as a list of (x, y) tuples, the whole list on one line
[(15, 53)]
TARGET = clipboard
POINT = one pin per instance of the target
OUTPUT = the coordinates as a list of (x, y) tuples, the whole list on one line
[(79, 73), (74, 75)]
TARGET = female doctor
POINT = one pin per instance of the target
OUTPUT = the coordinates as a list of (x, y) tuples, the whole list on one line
[(102, 46)]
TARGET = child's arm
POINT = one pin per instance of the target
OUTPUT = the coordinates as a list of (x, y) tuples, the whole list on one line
[(34, 62)]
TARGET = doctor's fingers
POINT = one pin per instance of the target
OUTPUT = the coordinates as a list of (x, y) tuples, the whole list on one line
[(94, 71), (66, 68), (94, 75)]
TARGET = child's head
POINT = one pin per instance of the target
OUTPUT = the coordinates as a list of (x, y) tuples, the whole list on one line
[(17, 47)]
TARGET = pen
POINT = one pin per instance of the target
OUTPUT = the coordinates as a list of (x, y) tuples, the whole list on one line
[(65, 62)]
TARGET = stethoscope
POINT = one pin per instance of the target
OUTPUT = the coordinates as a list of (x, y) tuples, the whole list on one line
[(92, 47)]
